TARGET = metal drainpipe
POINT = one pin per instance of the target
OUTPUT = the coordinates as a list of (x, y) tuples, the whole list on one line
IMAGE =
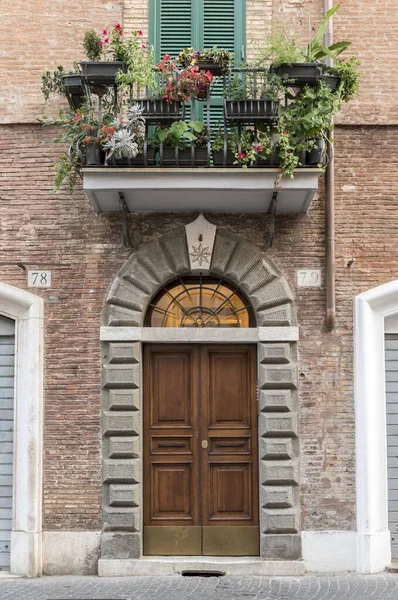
[(329, 208)]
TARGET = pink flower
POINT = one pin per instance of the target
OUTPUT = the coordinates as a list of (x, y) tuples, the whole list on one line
[(258, 148), (118, 27), (105, 32), (106, 41), (140, 32), (166, 56), (143, 45), (100, 44), (241, 155)]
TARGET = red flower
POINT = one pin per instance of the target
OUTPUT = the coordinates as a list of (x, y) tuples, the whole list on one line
[(166, 56), (106, 41), (87, 139), (241, 155), (140, 32), (105, 32), (100, 44), (258, 148), (143, 45), (118, 27), (77, 118)]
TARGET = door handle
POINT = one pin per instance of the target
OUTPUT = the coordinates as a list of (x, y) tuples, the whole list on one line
[(205, 443)]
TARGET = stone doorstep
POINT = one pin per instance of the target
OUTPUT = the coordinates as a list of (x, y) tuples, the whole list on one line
[(157, 566), (393, 568)]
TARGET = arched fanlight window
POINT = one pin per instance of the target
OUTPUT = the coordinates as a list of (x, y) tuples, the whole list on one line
[(199, 302)]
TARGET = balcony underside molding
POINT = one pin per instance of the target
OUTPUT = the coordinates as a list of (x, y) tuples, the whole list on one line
[(198, 189)]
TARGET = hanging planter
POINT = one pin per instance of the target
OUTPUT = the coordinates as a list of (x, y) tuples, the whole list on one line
[(101, 73), (248, 111), (299, 74), (175, 157), (214, 67), (332, 81), (162, 110), (75, 90), (138, 161)]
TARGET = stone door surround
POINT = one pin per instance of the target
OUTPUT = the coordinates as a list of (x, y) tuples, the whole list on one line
[(145, 272)]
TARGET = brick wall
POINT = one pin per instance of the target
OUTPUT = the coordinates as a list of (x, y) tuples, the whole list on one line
[(55, 34), (84, 251)]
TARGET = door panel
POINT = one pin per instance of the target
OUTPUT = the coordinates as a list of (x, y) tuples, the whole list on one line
[(200, 450)]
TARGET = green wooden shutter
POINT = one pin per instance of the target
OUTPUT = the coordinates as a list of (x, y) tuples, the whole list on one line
[(175, 24)]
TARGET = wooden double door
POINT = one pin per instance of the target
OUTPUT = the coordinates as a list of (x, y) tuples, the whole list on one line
[(200, 450)]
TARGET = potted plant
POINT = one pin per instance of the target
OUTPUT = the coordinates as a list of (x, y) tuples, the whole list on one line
[(216, 60), (183, 144), (80, 133), (342, 78), (301, 65), (253, 96), (65, 83), (113, 51), (124, 142), (166, 103), (255, 150)]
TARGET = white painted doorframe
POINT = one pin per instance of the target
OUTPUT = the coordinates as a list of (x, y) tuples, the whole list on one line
[(27, 311)]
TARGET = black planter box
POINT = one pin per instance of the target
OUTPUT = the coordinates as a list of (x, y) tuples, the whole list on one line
[(218, 158), (74, 90), (299, 73), (184, 157), (95, 156), (138, 161), (249, 111), (317, 155), (101, 73), (161, 110), (332, 81), (214, 67)]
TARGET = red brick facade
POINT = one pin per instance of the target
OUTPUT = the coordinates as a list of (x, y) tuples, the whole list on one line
[(84, 251)]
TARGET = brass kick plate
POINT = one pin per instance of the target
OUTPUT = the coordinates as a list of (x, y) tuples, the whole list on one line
[(173, 541), (231, 541)]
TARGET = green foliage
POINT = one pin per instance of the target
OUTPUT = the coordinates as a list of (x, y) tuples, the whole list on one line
[(181, 134), (282, 49), (217, 55), (91, 45), (52, 82), (260, 84), (309, 115), (348, 72), (140, 65)]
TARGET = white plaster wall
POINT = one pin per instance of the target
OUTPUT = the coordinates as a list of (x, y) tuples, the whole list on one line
[(329, 551), (71, 552)]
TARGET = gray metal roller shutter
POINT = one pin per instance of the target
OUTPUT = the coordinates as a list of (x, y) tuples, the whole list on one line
[(391, 345), (7, 352)]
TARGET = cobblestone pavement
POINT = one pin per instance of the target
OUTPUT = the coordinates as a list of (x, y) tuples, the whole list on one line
[(344, 587)]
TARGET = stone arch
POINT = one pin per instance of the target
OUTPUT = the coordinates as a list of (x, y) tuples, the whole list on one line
[(144, 273), (165, 259)]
